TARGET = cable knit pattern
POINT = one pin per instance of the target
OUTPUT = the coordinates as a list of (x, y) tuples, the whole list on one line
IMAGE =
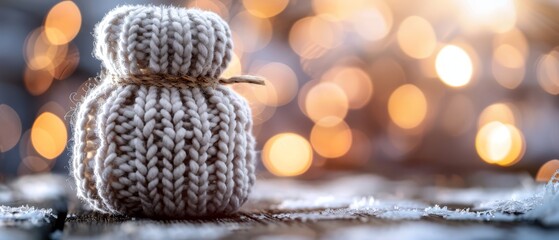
[(155, 149)]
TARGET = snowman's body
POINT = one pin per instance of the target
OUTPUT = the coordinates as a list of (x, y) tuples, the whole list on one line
[(166, 148)]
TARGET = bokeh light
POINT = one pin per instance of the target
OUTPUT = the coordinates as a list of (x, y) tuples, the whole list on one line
[(311, 37), (416, 37), (326, 101), (10, 128), (210, 5), (494, 15), (234, 68), (508, 66), (508, 56), (265, 9), (254, 33), (37, 82), (63, 22), (67, 65), (338, 9), (39, 53), (331, 140), (355, 82), (371, 20), (407, 106), (287, 154), (500, 143), (501, 112), (515, 38), (454, 66), (548, 72), (49, 135), (547, 170), (281, 84), (254, 95)]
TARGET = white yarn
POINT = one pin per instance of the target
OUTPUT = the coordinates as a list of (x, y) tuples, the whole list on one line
[(153, 150), (158, 39)]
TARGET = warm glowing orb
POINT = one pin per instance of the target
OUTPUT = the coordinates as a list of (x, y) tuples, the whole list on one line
[(407, 106), (499, 143), (547, 170), (49, 135), (454, 66), (63, 22), (287, 154)]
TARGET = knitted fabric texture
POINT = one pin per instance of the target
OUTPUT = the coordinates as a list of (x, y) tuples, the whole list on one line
[(157, 147)]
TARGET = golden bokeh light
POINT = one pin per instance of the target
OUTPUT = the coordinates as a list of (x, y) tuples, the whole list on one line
[(508, 56), (287, 154), (67, 65), (500, 143), (49, 135), (547, 170), (234, 68), (326, 101), (267, 94), (254, 94), (302, 95), (310, 37), (372, 21), (63, 22), (331, 141), (339, 9), (210, 5), (281, 84), (501, 112), (255, 33), (514, 38), (494, 15), (548, 72), (508, 66), (416, 37), (39, 53), (355, 82), (454, 66), (407, 106), (10, 128), (265, 9), (37, 82)]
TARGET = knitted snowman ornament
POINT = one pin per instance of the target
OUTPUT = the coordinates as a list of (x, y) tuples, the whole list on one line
[(160, 136)]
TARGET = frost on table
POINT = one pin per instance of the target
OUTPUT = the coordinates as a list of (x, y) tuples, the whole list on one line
[(350, 198), (432, 231), (25, 216), (357, 207), (33, 206)]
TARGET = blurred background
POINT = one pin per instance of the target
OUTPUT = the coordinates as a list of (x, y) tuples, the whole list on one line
[(394, 87)]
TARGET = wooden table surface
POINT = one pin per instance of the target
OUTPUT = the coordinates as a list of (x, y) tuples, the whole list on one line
[(349, 206)]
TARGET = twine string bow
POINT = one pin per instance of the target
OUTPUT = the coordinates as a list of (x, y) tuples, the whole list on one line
[(173, 80)]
